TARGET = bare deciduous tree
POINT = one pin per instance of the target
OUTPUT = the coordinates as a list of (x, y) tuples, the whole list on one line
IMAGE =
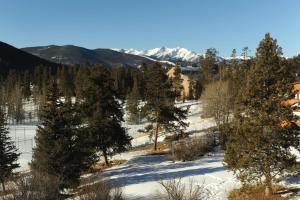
[(217, 102)]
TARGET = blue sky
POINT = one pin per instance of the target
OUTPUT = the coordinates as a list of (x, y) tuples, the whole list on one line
[(143, 24)]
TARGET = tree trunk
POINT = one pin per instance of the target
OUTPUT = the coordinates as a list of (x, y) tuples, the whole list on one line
[(156, 136), (105, 157), (268, 183), (3, 186), (268, 191)]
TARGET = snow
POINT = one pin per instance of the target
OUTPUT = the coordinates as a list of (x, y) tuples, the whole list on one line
[(140, 175), (238, 58), (296, 153), (173, 54), (23, 136), (165, 53), (167, 62)]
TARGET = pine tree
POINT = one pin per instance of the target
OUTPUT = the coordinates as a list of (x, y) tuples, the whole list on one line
[(198, 89), (177, 81), (160, 103), (234, 72), (191, 90), (61, 149), (245, 52), (258, 143), (80, 79), (8, 152), (208, 66), (118, 75), (66, 82), (104, 114), (132, 103), (26, 91)]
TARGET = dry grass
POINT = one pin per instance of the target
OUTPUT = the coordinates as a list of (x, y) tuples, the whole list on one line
[(176, 189), (34, 187), (296, 168), (255, 193), (8, 191), (161, 147), (99, 190), (192, 148), (158, 152), (99, 167)]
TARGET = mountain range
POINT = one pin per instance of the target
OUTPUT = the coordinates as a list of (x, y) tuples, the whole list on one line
[(14, 58), (167, 54), (70, 55), (53, 55)]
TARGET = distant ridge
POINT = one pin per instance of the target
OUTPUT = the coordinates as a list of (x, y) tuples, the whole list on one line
[(164, 53), (71, 55), (14, 58)]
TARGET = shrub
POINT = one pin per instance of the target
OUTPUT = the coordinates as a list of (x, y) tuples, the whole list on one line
[(175, 189), (192, 148), (175, 137), (100, 190), (98, 167), (35, 187), (254, 193)]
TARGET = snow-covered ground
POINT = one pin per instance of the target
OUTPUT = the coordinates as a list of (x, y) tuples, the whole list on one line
[(197, 125), (23, 136), (140, 175)]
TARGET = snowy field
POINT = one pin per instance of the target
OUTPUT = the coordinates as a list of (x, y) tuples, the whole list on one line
[(23, 136), (140, 175)]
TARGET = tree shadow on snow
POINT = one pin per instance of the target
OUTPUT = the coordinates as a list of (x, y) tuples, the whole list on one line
[(156, 167)]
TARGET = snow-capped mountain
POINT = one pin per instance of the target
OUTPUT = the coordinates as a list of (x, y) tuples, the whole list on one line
[(174, 54), (164, 53)]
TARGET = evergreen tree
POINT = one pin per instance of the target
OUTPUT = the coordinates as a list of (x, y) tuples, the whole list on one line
[(132, 103), (197, 89), (18, 113), (118, 75), (61, 149), (258, 143), (160, 103), (8, 152), (177, 81), (191, 90), (80, 79), (142, 82), (209, 66), (66, 82), (26, 91), (104, 114), (245, 52)]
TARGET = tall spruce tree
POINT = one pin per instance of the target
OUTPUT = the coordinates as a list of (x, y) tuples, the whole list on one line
[(61, 149), (208, 66), (160, 104), (177, 82), (191, 90), (66, 82), (8, 152), (132, 103), (258, 143), (104, 114)]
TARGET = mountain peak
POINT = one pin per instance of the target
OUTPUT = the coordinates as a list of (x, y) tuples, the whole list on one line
[(165, 53)]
